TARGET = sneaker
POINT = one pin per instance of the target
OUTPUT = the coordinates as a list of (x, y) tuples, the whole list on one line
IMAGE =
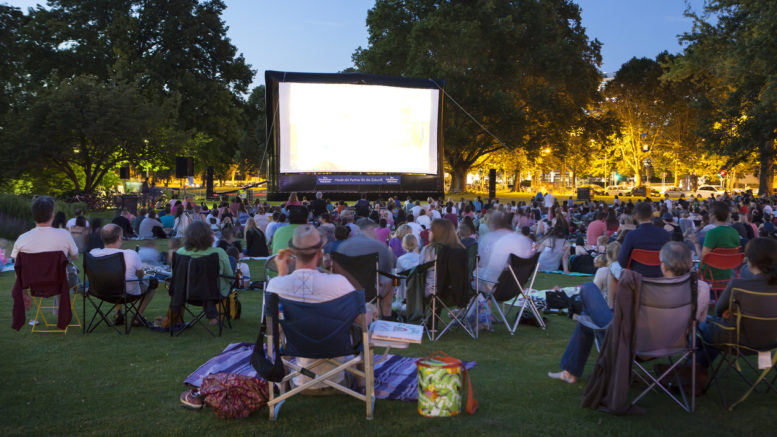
[(191, 399), (34, 322), (563, 376)]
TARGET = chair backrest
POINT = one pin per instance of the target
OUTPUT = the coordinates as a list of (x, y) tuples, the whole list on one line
[(644, 257), (105, 274), (195, 279), (319, 330), (524, 269), (453, 275), (361, 271), (665, 315), (722, 260), (727, 249), (44, 273), (755, 313)]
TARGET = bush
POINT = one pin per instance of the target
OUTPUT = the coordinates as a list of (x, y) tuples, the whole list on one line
[(16, 216)]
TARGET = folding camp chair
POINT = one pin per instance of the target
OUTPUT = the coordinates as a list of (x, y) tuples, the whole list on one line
[(322, 332), (511, 290), (195, 282), (665, 327), (754, 333), (644, 257), (456, 298), (45, 275), (724, 261), (106, 284), (361, 271)]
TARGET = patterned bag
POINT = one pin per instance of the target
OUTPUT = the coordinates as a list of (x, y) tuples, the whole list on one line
[(440, 386), (231, 395)]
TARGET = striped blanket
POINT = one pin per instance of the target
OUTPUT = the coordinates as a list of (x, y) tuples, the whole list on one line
[(395, 376)]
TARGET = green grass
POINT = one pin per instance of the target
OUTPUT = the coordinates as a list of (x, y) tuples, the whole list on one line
[(106, 384)]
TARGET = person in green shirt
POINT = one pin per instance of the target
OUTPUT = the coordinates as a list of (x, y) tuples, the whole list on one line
[(298, 215), (721, 236), (198, 242)]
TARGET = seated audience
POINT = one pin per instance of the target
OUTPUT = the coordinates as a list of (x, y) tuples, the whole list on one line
[(554, 247), (761, 256), (306, 283), (138, 284), (70, 223), (198, 242), (341, 234), (150, 227), (443, 233), (496, 246), (675, 261), (79, 232), (646, 236), (256, 244), (59, 221), (366, 243)]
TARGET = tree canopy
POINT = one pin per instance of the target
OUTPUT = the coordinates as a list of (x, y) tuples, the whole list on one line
[(519, 74), (730, 56), (174, 52)]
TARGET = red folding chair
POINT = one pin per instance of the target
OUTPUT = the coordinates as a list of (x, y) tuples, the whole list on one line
[(721, 261), (644, 257), (729, 250)]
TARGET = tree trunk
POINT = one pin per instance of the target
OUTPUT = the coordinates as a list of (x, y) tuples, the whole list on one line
[(637, 179), (766, 175), (459, 178), (516, 181)]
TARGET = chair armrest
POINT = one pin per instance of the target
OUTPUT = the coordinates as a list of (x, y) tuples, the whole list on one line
[(478, 278), (395, 278)]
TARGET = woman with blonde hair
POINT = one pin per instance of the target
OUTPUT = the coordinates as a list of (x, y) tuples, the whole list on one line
[(256, 242), (395, 244)]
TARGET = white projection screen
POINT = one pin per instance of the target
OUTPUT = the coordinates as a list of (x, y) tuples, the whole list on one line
[(354, 128)]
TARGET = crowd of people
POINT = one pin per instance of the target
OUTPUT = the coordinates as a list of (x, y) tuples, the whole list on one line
[(591, 237)]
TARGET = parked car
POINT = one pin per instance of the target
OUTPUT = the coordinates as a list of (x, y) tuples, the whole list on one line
[(618, 190), (644, 192), (705, 191), (596, 190), (674, 193)]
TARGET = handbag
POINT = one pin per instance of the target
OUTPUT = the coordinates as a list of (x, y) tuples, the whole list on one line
[(231, 395)]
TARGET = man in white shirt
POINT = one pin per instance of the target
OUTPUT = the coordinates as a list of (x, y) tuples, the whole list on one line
[(137, 284), (306, 283), (416, 210), (72, 222), (424, 220), (44, 238), (496, 246)]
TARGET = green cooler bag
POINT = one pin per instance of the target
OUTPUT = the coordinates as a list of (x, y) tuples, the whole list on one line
[(440, 386)]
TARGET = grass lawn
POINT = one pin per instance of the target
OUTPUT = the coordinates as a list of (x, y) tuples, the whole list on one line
[(107, 384)]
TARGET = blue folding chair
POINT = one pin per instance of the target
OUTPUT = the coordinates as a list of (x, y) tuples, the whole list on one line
[(318, 331)]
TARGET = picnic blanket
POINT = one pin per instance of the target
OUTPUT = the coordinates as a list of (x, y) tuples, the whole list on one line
[(396, 377)]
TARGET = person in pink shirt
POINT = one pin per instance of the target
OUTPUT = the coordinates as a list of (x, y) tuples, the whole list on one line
[(382, 232), (595, 229)]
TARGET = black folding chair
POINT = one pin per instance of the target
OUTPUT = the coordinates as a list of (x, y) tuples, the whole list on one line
[(361, 271), (106, 285), (195, 282), (513, 284), (452, 294)]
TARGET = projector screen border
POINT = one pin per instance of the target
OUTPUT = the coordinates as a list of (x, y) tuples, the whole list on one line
[(279, 185)]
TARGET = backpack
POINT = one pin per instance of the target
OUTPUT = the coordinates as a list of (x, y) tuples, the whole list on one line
[(230, 395)]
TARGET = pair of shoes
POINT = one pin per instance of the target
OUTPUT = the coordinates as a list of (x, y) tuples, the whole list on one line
[(191, 399), (563, 376), (118, 319)]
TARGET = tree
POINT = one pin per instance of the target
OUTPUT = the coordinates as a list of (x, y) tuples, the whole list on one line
[(521, 72), (83, 128), (732, 61), (171, 49)]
